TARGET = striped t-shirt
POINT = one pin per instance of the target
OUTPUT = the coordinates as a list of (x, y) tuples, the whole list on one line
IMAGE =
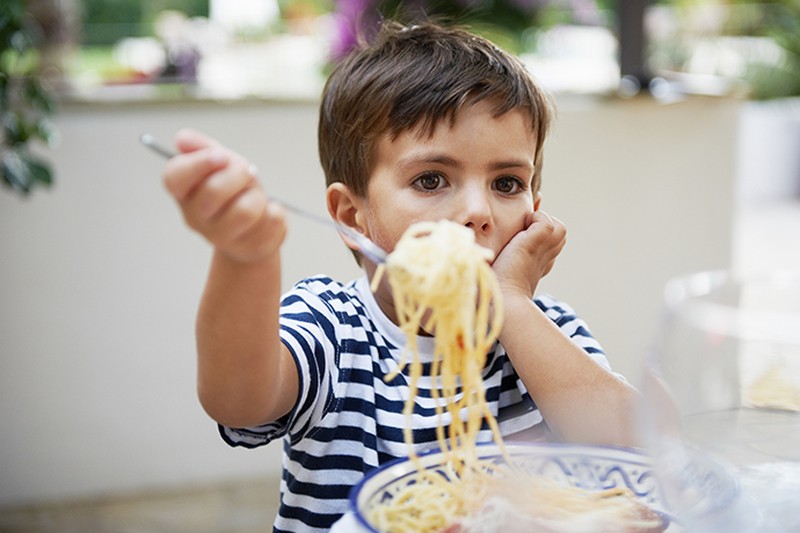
[(347, 419)]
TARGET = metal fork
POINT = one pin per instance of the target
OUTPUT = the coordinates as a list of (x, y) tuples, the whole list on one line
[(368, 249)]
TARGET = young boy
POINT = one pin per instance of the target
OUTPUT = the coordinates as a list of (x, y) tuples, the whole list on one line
[(427, 123)]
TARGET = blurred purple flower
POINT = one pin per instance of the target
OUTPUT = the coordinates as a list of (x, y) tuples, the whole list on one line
[(354, 20), (585, 11), (357, 20)]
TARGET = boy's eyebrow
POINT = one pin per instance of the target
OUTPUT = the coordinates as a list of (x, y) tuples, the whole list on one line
[(440, 159), (514, 163), (446, 160)]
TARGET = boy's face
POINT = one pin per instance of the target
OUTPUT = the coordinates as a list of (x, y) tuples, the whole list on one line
[(477, 172)]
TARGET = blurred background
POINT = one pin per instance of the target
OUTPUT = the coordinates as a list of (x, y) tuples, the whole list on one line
[(675, 149)]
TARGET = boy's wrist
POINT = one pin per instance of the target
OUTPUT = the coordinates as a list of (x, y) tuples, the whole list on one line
[(254, 262), (516, 294)]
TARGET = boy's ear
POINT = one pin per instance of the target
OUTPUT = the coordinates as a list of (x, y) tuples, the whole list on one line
[(345, 206), (537, 200)]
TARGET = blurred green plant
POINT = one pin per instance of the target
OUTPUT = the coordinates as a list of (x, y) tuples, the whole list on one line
[(26, 105), (105, 22), (766, 77), (781, 23)]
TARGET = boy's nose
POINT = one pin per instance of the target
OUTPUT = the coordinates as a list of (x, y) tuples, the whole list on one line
[(476, 210)]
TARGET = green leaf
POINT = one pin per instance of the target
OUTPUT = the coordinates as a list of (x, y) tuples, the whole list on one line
[(16, 173), (21, 41), (769, 81), (13, 9), (10, 21), (38, 96), (12, 127), (7, 27), (38, 170), (45, 130), (22, 171), (25, 103)]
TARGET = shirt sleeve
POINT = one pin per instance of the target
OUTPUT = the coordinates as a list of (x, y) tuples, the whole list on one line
[(573, 327), (306, 329)]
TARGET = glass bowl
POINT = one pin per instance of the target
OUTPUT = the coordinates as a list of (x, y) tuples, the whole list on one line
[(721, 410)]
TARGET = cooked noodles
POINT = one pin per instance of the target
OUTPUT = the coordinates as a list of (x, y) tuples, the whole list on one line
[(443, 284)]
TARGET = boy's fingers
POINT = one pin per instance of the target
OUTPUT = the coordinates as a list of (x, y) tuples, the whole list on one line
[(249, 227), (259, 241), (185, 172), (189, 140), (553, 224), (211, 197), (240, 216)]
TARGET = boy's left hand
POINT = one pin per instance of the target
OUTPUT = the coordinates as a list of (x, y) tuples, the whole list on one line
[(530, 255)]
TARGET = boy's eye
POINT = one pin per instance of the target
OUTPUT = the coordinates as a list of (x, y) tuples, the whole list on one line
[(509, 185), (430, 181)]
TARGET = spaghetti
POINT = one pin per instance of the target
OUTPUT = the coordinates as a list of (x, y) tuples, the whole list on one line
[(443, 284), (457, 299)]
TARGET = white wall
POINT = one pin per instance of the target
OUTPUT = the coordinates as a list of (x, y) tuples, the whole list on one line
[(647, 192), (99, 279)]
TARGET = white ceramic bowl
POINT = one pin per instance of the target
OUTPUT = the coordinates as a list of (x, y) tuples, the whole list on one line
[(588, 467)]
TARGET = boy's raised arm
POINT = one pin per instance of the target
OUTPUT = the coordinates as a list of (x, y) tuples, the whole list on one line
[(245, 374), (581, 400)]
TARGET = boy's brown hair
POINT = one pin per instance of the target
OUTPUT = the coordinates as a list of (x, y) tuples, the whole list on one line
[(417, 76)]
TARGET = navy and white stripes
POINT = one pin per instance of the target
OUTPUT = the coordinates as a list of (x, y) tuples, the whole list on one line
[(347, 419)]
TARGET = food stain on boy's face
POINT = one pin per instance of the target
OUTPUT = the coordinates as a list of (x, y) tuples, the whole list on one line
[(477, 171)]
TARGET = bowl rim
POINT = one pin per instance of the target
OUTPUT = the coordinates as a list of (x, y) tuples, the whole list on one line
[(637, 456), (686, 297)]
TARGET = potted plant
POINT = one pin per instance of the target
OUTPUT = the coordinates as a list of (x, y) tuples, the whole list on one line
[(770, 122), (26, 104), (780, 22)]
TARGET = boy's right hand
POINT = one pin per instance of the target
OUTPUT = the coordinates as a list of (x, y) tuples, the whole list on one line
[(222, 199)]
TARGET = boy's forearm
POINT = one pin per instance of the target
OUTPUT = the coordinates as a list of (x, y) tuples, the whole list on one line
[(580, 399), (238, 343)]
